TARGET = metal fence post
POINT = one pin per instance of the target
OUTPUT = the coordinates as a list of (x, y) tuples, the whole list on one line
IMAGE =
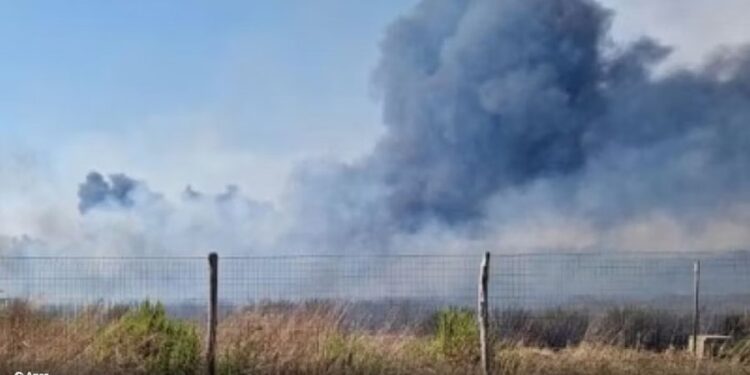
[(483, 314), (696, 306), (213, 264)]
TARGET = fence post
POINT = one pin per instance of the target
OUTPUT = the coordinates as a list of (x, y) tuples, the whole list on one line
[(213, 298), (696, 306), (483, 314)]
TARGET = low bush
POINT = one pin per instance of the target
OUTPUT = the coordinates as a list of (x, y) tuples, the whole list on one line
[(456, 335), (736, 325), (554, 329), (146, 341), (640, 328)]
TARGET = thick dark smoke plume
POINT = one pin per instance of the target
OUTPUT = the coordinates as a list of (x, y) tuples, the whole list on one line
[(515, 123), (481, 97), (484, 96), (501, 110)]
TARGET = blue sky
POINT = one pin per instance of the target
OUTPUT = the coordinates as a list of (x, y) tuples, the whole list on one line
[(213, 93), (277, 78), (110, 62)]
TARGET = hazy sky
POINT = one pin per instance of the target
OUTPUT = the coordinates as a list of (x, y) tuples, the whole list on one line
[(213, 93)]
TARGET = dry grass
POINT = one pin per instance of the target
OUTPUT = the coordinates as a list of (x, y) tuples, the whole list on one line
[(314, 340), (35, 338), (608, 360)]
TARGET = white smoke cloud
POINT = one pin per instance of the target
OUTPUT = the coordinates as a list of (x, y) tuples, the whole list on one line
[(695, 28)]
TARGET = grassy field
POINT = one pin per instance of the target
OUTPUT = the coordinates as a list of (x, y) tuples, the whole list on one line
[(315, 339)]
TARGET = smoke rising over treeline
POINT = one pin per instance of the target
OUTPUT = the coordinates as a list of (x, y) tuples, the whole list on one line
[(510, 124)]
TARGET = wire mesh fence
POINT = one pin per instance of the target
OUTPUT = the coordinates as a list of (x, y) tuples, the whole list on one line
[(73, 282), (446, 279), (657, 280), (517, 281), (643, 300), (389, 288)]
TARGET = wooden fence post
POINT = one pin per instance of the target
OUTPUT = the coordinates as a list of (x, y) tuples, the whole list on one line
[(213, 299), (696, 306), (483, 315)]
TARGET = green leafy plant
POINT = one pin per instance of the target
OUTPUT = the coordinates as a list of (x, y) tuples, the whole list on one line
[(456, 335), (146, 340)]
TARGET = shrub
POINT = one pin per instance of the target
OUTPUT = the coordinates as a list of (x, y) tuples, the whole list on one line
[(555, 329), (457, 335), (145, 340), (640, 328), (736, 325)]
